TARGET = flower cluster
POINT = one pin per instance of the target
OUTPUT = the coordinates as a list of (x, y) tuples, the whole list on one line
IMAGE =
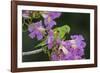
[(70, 49), (36, 30), (60, 49)]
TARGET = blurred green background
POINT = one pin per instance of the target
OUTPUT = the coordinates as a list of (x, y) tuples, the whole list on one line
[(79, 24)]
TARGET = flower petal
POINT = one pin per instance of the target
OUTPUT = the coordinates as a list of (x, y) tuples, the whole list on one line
[(32, 35), (54, 57), (39, 35), (54, 15)]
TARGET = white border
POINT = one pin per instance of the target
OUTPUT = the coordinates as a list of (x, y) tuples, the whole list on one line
[(52, 63)]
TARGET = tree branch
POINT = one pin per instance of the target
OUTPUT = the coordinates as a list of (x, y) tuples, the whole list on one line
[(32, 52)]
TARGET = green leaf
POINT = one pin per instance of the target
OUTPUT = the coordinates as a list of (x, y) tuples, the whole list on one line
[(45, 50), (36, 15), (42, 43), (62, 30)]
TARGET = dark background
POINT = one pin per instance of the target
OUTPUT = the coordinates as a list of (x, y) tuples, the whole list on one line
[(79, 24)]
